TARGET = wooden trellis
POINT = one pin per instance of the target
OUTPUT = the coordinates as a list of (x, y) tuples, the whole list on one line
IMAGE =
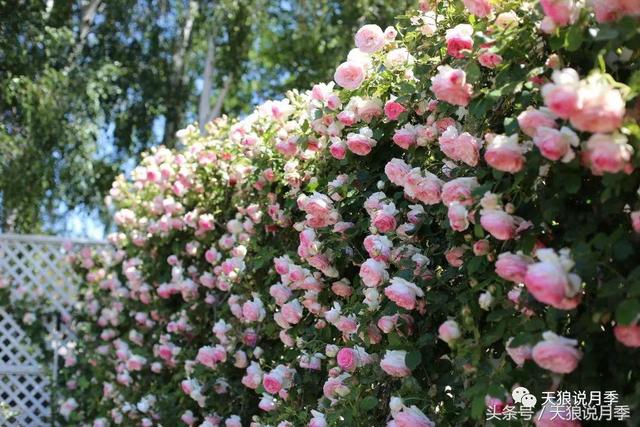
[(38, 265)]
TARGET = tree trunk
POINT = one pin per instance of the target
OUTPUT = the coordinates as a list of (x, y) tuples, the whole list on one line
[(178, 79)]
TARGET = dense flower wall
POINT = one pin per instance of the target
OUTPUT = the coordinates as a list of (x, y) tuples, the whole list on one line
[(455, 216)]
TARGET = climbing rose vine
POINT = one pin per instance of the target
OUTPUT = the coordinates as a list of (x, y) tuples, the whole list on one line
[(455, 216)]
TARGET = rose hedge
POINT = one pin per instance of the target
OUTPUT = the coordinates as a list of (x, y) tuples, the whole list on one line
[(456, 217)]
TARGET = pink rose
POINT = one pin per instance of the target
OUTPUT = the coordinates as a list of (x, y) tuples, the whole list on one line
[(481, 247), (560, 11), (635, 221), (253, 311), (378, 247), (370, 38), (280, 293), (393, 363), (403, 293), (423, 186), (498, 223), (361, 143), (628, 335), (347, 118), (342, 288), (533, 119), (449, 331), (338, 149), (273, 381), (460, 147), (459, 190), (405, 137), (550, 282), (412, 417), (369, 108), (518, 354), (512, 267), (561, 96), (387, 323), (450, 85), (504, 153), (373, 273), (457, 215), (601, 107), (556, 354), (292, 312), (458, 39), (607, 154), (384, 219), (347, 359), (479, 8), (454, 256), (397, 170), (556, 144), (393, 109), (489, 59), (349, 75)]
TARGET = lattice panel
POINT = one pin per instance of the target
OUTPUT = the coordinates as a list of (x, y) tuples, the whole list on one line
[(38, 265)]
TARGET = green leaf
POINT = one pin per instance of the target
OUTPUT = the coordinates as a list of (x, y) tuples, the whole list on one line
[(413, 359), (628, 311), (574, 38), (368, 403)]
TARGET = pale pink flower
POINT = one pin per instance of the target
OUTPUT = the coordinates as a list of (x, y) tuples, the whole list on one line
[(512, 267), (608, 154), (370, 38), (518, 354), (556, 354), (412, 417), (393, 109), (498, 223), (562, 12), (628, 335), (373, 273), (460, 147), (635, 220), (479, 8), (550, 282), (531, 120), (561, 96), (601, 107), (393, 363), (361, 143), (397, 170), (504, 153), (457, 215), (556, 144), (450, 85), (403, 293), (459, 190), (459, 39), (349, 75), (489, 59), (449, 331)]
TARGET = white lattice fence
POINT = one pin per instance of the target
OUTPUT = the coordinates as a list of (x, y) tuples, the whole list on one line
[(36, 265)]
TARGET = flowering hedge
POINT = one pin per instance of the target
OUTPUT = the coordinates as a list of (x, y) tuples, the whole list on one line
[(456, 216)]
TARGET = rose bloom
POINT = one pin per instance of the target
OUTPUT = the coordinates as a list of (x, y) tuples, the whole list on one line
[(556, 354), (479, 8), (458, 39), (378, 247), (397, 170), (601, 107), (405, 137), (499, 224), (393, 109), (504, 153), (550, 283), (489, 59), (459, 190), (457, 215), (347, 359), (481, 247), (450, 85), (394, 365), (512, 267), (506, 19), (349, 75), (635, 221), (612, 10), (608, 154), (412, 417), (561, 96), (423, 188), (338, 149), (272, 382), (449, 331), (556, 144), (370, 38), (403, 293), (518, 354), (384, 219), (398, 58), (341, 289), (360, 144), (460, 147), (373, 273), (531, 120), (560, 11), (369, 108), (628, 335), (454, 256)]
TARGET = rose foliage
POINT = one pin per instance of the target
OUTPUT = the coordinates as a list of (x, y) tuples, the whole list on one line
[(456, 215)]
